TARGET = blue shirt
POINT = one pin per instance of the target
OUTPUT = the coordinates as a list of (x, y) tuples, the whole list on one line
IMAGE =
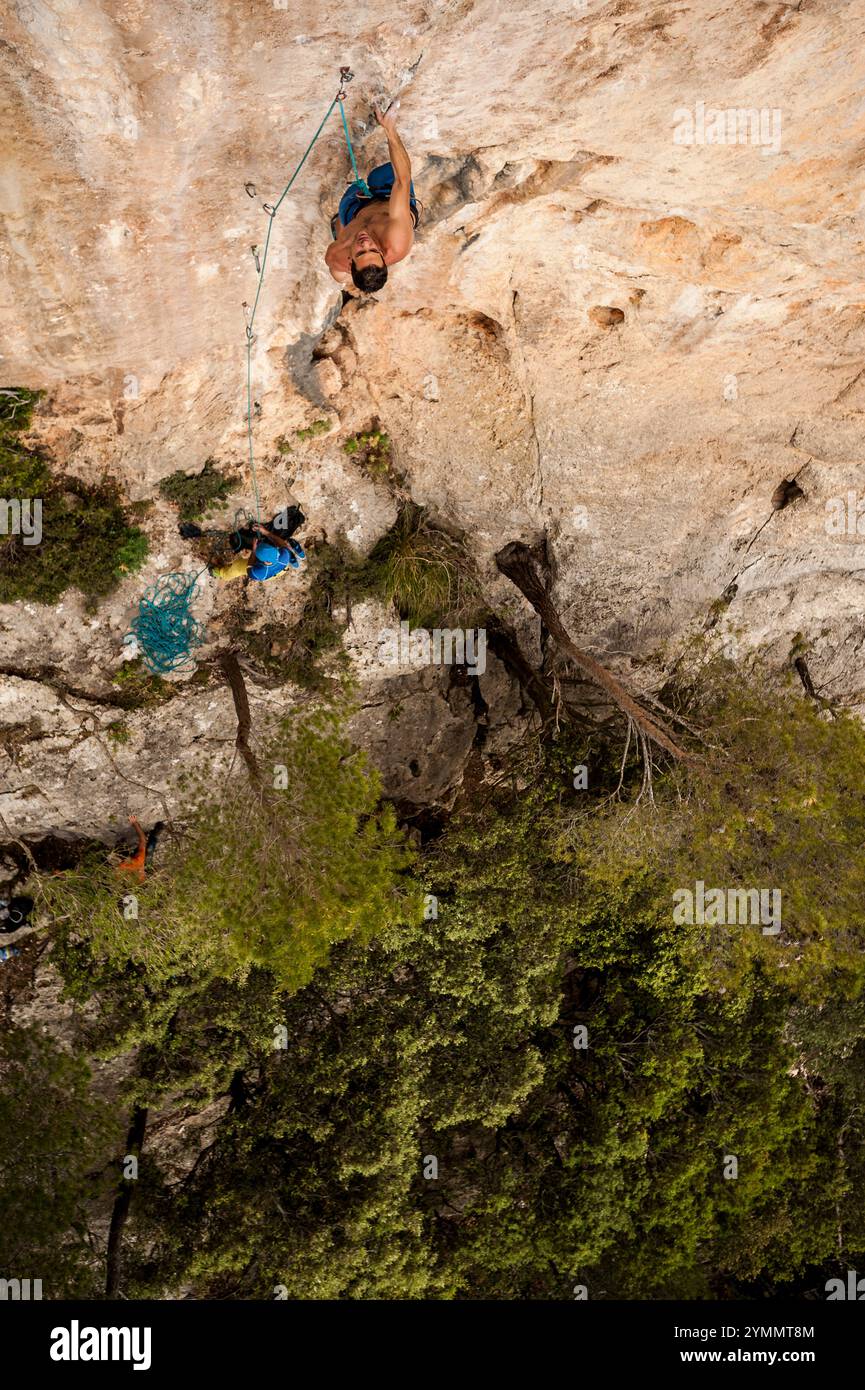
[(269, 561)]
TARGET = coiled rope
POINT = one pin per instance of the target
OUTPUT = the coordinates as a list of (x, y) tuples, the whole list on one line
[(164, 627)]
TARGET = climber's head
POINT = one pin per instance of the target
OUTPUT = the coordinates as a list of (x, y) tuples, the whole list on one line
[(368, 269)]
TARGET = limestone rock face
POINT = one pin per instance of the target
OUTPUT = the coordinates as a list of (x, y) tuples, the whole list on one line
[(635, 306)]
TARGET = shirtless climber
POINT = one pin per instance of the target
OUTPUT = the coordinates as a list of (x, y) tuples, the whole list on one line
[(371, 235)]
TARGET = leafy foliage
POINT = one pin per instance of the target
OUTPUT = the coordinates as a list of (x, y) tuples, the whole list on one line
[(266, 878), (138, 689), (423, 572), (455, 1034), (87, 540), (312, 431), (52, 1135), (372, 449), (196, 494)]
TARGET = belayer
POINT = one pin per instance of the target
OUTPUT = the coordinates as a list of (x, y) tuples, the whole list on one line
[(262, 551)]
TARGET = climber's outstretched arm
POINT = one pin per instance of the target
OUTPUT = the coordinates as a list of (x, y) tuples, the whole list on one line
[(400, 223), (399, 198)]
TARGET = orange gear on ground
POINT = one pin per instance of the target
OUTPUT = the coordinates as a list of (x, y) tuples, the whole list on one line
[(135, 865)]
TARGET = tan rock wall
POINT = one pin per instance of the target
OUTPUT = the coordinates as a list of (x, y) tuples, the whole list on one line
[(625, 340)]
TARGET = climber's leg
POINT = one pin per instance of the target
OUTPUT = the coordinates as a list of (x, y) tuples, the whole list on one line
[(238, 569), (287, 521)]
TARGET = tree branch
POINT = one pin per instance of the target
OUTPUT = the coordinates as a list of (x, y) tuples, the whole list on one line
[(233, 674), (517, 562)]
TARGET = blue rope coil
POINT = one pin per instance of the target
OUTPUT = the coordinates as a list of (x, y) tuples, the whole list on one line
[(164, 628)]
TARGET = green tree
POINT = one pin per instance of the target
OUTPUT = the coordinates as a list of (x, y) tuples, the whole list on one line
[(269, 874), (54, 1139), (87, 540), (451, 1036)]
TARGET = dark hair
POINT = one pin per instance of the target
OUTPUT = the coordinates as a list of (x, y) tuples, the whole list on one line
[(370, 279)]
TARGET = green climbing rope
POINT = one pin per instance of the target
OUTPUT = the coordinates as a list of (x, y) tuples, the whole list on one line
[(164, 628), (360, 184)]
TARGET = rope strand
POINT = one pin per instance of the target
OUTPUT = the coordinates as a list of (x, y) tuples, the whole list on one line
[(164, 627), (359, 183), (362, 188)]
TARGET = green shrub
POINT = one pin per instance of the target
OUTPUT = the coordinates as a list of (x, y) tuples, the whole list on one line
[(312, 431), (271, 880), (778, 803), (87, 540), (54, 1138), (454, 1032), (138, 688), (423, 572), (196, 494), (16, 408), (372, 450)]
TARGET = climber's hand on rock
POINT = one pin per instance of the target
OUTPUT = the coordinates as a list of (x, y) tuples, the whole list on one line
[(387, 120)]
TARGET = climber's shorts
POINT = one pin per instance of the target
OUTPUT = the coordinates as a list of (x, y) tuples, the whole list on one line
[(380, 182)]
